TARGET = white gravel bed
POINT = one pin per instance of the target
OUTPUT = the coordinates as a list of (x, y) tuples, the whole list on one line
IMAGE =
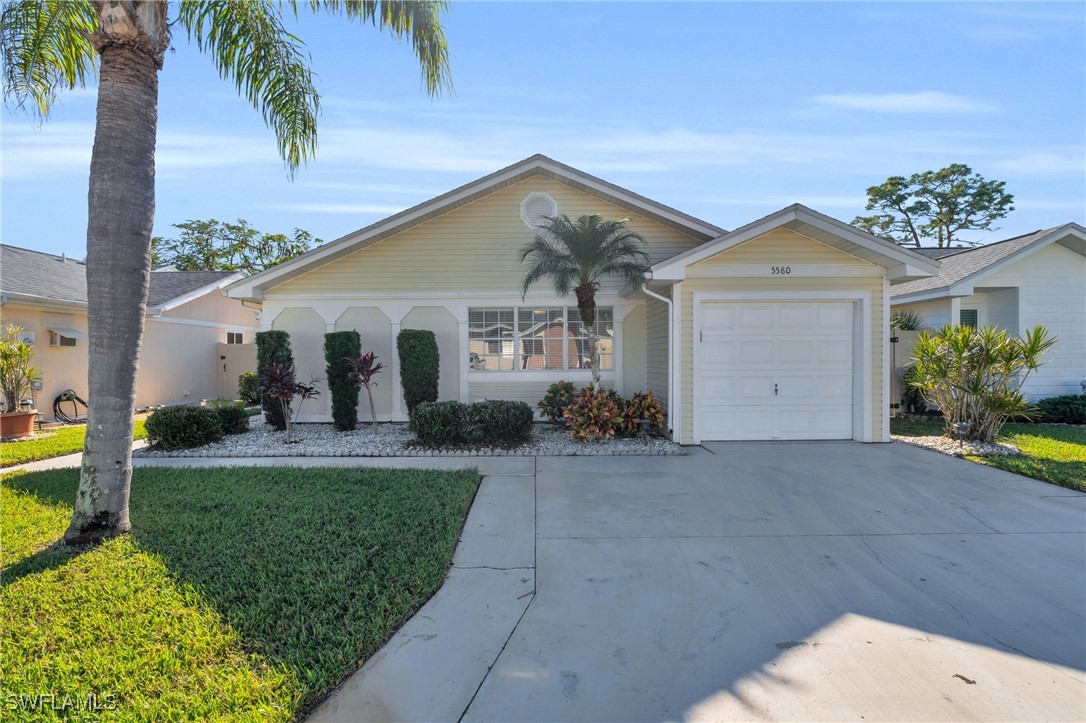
[(396, 440), (959, 449)]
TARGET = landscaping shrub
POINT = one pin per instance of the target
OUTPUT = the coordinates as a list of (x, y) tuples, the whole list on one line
[(419, 366), (643, 405), (975, 376), (912, 397), (183, 427), (273, 347), (232, 415), (338, 346), (558, 398), (1068, 409), (594, 414), (498, 422), (438, 422), (249, 387)]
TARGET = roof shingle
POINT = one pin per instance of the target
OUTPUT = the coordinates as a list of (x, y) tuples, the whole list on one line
[(56, 278)]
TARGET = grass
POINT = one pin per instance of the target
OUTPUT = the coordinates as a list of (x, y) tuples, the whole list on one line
[(241, 594), (1050, 452), (51, 443)]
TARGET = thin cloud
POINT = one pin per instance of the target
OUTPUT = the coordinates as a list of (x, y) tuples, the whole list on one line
[(1044, 163), (354, 208), (925, 101)]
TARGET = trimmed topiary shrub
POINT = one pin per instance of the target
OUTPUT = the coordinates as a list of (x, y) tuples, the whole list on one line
[(438, 422), (419, 366), (183, 427), (249, 387), (1068, 409), (340, 346), (498, 422), (273, 347), (594, 414), (557, 399), (232, 415)]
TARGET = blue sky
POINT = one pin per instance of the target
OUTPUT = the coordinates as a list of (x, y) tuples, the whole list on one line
[(726, 111)]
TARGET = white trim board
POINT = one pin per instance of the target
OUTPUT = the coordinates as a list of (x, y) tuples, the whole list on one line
[(862, 348)]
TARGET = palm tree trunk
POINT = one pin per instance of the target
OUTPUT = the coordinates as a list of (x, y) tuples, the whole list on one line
[(121, 205)]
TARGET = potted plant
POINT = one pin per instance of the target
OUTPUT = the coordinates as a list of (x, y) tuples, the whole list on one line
[(16, 379)]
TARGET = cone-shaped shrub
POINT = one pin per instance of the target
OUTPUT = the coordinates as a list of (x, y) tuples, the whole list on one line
[(338, 346)]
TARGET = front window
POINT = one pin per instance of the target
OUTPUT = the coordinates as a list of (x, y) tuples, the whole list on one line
[(536, 338)]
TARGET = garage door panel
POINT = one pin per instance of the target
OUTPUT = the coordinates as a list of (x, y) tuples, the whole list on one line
[(782, 371)]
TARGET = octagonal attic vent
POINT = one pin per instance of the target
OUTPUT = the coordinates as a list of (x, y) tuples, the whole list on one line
[(537, 208)]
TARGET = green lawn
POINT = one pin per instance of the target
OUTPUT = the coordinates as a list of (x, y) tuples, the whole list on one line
[(51, 443), (1051, 452), (241, 594)]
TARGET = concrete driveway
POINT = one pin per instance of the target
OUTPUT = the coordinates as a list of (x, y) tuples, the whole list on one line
[(776, 581)]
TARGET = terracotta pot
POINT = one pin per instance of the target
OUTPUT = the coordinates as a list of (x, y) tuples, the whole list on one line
[(14, 425)]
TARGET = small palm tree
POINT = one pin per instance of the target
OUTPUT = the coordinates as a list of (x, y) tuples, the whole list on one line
[(577, 255)]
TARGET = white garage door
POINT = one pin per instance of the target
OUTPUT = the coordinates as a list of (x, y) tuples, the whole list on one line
[(780, 370)]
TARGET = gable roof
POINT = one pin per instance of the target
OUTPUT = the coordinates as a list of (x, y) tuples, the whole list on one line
[(254, 286), (965, 266), (899, 261), (37, 276)]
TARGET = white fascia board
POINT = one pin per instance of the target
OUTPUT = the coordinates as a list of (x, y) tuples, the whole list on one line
[(674, 269), (253, 287), (10, 297), (947, 292), (196, 293)]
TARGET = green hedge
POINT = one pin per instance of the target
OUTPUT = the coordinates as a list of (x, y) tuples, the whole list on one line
[(498, 422), (249, 387), (273, 346), (1068, 409), (183, 427), (438, 422), (233, 416), (419, 366), (338, 346), (490, 423)]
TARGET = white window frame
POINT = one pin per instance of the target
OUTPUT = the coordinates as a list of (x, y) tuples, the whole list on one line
[(56, 340), (566, 371)]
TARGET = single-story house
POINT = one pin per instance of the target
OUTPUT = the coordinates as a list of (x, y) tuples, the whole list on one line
[(777, 330), (1037, 278), (187, 318)]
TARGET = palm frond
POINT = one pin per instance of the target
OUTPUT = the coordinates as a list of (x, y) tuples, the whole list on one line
[(44, 50), (248, 44), (420, 20)]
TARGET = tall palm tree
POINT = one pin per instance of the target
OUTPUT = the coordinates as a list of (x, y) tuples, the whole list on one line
[(577, 255), (52, 45)]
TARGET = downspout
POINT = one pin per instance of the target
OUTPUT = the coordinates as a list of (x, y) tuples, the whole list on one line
[(670, 354)]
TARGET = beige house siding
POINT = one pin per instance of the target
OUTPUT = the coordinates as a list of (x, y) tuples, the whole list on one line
[(216, 308), (657, 332), (634, 339), (61, 367), (784, 247), (471, 249), (376, 332), (935, 313)]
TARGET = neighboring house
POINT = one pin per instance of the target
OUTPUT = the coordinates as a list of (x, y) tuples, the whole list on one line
[(1038, 278), (187, 317), (778, 330)]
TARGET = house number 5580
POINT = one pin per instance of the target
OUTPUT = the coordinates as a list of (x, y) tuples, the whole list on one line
[(780, 270)]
